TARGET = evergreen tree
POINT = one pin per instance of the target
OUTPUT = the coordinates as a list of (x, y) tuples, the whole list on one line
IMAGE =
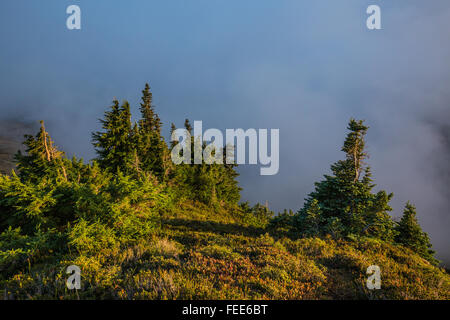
[(114, 145), (42, 158), (410, 235), (187, 126), (345, 198), (310, 221), (152, 149), (208, 183), (147, 110)]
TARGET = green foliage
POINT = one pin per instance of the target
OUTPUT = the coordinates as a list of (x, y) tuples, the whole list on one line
[(311, 220), (19, 251), (114, 145), (343, 203), (186, 259), (209, 183), (140, 150), (52, 215), (258, 215), (151, 148), (219, 252), (410, 235), (282, 224), (42, 158)]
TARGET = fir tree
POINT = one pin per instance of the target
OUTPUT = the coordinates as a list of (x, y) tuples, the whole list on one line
[(114, 145), (147, 111), (209, 183), (187, 126), (410, 235), (152, 150), (346, 199), (310, 221), (42, 158)]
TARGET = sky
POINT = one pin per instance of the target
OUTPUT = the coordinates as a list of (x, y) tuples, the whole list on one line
[(304, 67)]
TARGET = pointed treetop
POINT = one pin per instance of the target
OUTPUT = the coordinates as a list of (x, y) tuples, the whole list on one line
[(172, 128), (187, 125), (354, 146), (411, 235), (147, 122)]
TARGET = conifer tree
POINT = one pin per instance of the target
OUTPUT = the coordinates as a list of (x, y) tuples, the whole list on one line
[(410, 235), (152, 149), (345, 198), (146, 108), (42, 158), (208, 183), (310, 221), (187, 126), (114, 145)]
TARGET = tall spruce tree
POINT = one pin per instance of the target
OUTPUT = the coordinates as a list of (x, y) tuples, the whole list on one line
[(114, 145), (152, 149), (410, 235), (345, 199)]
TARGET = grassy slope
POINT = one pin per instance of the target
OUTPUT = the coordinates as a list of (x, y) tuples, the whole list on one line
[(225, 260), (200, 254)]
